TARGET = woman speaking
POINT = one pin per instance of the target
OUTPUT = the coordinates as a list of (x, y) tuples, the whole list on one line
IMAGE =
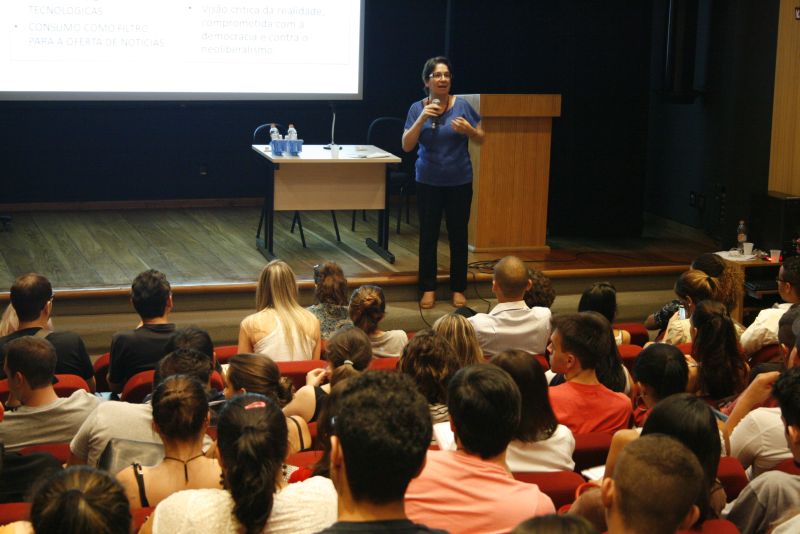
[(442, 124)]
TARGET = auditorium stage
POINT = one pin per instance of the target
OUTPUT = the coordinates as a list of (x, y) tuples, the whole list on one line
[(209, 255)]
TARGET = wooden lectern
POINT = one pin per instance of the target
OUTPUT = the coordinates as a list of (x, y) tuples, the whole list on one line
[(511, 172)]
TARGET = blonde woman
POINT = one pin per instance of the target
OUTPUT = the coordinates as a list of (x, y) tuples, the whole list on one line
[(281, 328), (461, 335), (367, 309)]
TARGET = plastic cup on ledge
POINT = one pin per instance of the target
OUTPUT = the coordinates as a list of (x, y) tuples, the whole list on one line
[(747, 249), (775, 255)]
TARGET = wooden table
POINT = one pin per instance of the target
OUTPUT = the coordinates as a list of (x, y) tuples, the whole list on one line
[(318, 180)]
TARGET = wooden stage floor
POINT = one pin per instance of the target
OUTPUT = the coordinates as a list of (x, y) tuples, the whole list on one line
[(105, 249)]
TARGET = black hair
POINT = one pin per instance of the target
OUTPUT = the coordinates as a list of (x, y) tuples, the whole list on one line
[(191, 337), (722, 369), (30, 293), (791, 273), (537, 420), (786, 335), (149, 292), (257, 373), (430, 65), (384, 427), (691, 421), (252, 439), (600, 297), (485, 407), (431, 362), (349, 351), (787, 392), (185, 362), (662, 367), (80, 499), (180, 407), (34, 357), (555, 524)]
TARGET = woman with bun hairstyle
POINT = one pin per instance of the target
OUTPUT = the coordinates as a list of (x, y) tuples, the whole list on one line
[(330, 293), (349, 352), (251, 445), (280, 328), (367, 309), (252, 373), (180, 418), (691, 287), (459, 332)]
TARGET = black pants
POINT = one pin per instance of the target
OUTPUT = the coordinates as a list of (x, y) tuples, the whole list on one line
[(455, 202)]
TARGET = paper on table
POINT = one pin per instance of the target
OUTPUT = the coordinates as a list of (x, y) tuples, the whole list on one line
[(735, 256), (444, 436)]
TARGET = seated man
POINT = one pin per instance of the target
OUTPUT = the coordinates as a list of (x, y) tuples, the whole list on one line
[(32, 299), (764, 330), (654, 487), (512, 325), (770, 495), (134, 351), (42, 416), (471, 490), (582, 403), (380, 436), (124, 420), (755, 432)]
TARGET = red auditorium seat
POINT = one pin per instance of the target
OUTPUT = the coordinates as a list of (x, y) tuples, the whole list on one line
[(732, 476), (559, 486), (296, 371), (216, 381), (4, 392), (69, 384), (139, 516), (304, 459), (14, 511), (383, 364), (101, 371), (226, 352), (788, 466), (714, 526), (542, 359), (766, 354), (138, 387), (629, 353), (59, 451), (591, 450), (639, 334), (685, 348)]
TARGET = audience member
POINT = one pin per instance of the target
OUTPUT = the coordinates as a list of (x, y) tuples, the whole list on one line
[(42, 416), (653, 488), (80, 500), (280, 328), (764, 330), (9, 322), (541, 292), (20, 472), (378, 444), (555, 524), (32, 299), (771, 494), (128, 421), (431, 362), (330, 293), (458, 331), (367, 309), (582, 403), (601, 297), (253, 373), (193, 337), (660, 370), (348, 353), (137, 350), (540, 443), (471, 490), (512, 325), (252, 446), (180, 418)]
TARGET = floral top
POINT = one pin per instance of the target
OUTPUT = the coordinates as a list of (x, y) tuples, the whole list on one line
[(331, 318)]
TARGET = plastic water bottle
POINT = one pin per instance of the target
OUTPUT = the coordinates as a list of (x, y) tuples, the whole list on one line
[(741, 236), (273, 133), (291, 133)]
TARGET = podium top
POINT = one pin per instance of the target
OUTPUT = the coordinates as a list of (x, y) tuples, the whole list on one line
[(507, 105)]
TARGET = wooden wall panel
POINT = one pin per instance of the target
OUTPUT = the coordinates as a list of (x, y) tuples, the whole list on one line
[(784, 163)]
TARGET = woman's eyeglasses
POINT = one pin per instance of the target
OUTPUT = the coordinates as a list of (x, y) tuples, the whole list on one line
[(440, 75)]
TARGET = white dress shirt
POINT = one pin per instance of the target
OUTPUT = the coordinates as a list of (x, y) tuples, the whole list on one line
[(512, 325), (764, 330)]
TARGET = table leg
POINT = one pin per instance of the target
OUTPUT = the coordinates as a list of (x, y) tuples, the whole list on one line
[(381, 247), (265, 245)]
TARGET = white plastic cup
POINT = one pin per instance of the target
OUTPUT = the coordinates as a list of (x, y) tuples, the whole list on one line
[(334, 151), (775, 255), (747, 248)]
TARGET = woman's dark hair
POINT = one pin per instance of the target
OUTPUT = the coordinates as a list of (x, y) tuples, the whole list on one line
[(80, 499), (600, 297), (252, 439), (610, 371), (257, 373), (541, 292), (715, 346), (327, 414), (180, 407), (331, 287), (538, 422), (430, 65), (688, 419), (349, 352), (555, 524), (730, 280), (663, 367), (367, 307), (431, 362)]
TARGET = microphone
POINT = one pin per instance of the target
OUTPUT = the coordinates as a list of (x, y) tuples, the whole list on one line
[(435, 120), (333, 127)]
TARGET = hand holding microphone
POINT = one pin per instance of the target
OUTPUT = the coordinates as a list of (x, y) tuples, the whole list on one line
[(435, 120)]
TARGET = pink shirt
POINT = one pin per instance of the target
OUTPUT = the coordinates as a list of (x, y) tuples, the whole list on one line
[(588, 408), (459, 492)]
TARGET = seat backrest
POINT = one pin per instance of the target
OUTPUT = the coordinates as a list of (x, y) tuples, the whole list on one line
[(226, 352), (138, 387), (765, 354), (732, 476), (216, 381), (591, 450), (384, 364), (261, 133), (788, 466), (4, 391), (639, 334), (629, 353), (559, 485), (14, 511), (68, 384), (101, 371), (296, 371), (59, 451), (139, 516), (304, 459)]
